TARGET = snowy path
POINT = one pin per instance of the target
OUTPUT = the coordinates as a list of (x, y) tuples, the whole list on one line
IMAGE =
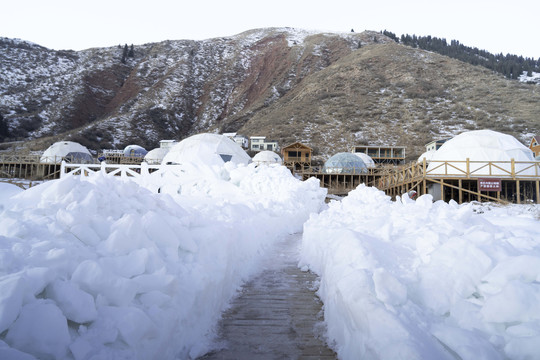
[(277, 315)]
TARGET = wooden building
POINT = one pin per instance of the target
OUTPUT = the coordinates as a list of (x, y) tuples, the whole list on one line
[(297, 156), (382, 154), (535, 145), (435, 144), (260, 143)]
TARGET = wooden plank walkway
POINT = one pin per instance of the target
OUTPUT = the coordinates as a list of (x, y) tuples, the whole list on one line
[(277, 315)]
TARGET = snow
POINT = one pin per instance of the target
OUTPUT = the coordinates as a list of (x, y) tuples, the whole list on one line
[(422, 280), (105, 267)]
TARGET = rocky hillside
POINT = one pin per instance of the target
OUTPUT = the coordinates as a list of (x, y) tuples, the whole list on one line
[(331, 91)]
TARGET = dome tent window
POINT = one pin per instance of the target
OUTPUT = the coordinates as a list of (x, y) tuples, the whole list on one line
[(345, 163)]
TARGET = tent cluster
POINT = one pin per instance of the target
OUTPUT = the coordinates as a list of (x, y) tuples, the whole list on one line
[(214, 149), (208, 149)]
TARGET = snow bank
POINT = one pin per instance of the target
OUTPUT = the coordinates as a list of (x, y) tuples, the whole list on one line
[(422, 280), (107, 268)]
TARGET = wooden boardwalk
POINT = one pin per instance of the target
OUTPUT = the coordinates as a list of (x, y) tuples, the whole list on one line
[(276, 316)]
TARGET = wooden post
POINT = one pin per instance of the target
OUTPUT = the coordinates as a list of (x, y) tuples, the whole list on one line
[(467, 168), (538, 191), (442, 189), (513, 168), (518, 195), (460, 184)]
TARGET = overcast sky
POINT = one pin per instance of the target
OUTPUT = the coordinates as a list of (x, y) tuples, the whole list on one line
[(494, 25)]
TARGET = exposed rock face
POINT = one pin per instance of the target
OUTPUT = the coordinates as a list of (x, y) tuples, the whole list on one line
[(331, 91)]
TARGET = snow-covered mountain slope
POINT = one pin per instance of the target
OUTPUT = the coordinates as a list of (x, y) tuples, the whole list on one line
[(331, 90)]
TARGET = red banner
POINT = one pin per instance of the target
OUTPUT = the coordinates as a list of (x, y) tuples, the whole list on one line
[(489, 184)]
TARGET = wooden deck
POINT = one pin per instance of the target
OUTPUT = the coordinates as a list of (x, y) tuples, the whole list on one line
[(444, 180), (458, 180), (31, 167), (341, 183), (276, 316)]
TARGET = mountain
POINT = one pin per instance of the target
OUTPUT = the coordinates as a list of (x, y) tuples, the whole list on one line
[(330, 91)]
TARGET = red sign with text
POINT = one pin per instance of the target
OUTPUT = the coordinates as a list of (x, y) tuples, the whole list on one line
[(489, 185)]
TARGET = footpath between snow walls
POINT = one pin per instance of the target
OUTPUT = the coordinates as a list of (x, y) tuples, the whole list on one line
[(108, 268), (423, 280)]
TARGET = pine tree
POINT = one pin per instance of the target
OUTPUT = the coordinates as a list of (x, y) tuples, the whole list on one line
[(4, 130), (124, 54), (131, 53)]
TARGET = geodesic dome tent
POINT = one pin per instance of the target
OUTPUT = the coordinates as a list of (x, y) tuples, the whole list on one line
[(66, 150), (344, 163), (135, 151), (155, 156), (480, 147), (267, 157), (428, 155), (208, 149), (366, 159)]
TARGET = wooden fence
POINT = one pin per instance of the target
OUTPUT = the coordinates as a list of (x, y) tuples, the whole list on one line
[(457, 179)]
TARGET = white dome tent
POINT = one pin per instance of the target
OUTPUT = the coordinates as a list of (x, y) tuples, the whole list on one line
[(155, 156), (344, 163), (428, 155), (267, 157), (206, 149), (66, 150), (134, 151), (480, 147), (370, 164)]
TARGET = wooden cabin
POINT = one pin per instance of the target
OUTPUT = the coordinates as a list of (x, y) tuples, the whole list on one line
[(535, 145), (297, 156)]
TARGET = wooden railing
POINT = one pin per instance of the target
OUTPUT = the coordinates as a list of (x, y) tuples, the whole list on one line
[(122, 170), (460, 169)]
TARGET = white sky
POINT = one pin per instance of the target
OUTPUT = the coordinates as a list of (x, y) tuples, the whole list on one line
[(494, 25)]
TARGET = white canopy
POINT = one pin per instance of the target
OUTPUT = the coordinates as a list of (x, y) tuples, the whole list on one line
[(480, 147), (267, 157), (366, 159), (68, 150), (208, 149)]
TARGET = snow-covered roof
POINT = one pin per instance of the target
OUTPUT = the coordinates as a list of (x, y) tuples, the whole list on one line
[(209, 149), (155, 156), (135, 150), (267, 157), (67, 150), (479, 146), (345, 163), (366, 159)]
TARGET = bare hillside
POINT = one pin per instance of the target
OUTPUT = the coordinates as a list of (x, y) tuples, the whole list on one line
[(330, 91)]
